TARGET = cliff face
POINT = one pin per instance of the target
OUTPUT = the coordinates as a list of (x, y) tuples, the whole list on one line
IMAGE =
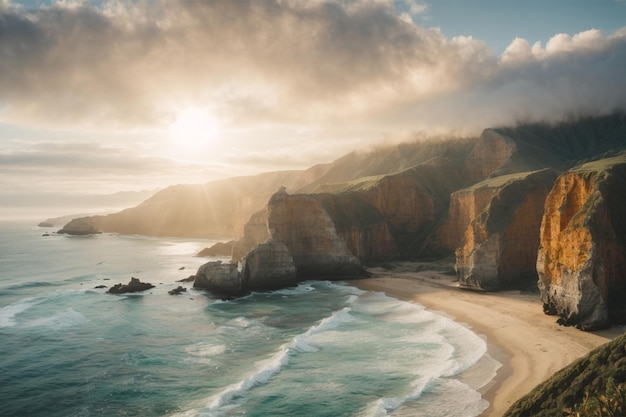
[(254, 232), (80, 226), (465, 205), (364, 229), (394, 215), (215, 209), (306, 229), (268, 266), (582, 256), (499, 249), (491, 152)]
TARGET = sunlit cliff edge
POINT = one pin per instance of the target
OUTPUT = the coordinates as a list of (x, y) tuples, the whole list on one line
[(487, 201)]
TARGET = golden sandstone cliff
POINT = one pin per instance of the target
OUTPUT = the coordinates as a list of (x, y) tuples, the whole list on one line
[(488, 201), (582, 254), (499, 249)]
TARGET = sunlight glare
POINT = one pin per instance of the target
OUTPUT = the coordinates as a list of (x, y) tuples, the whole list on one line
[(193, 130)]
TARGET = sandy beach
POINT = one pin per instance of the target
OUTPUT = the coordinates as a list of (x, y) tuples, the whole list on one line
[(528, 343)]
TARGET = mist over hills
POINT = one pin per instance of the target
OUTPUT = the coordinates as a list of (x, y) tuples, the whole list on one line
[(221, 208)]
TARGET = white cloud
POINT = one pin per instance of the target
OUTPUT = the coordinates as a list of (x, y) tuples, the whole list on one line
[(334, 65)]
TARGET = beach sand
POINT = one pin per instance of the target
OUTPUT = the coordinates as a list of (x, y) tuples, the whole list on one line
[(528, 343)]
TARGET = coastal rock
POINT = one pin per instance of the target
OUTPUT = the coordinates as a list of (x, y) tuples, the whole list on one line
[(134, 285), (268, 266), (219, 277), (80, 226), (254, 232), (499, 248), (218, 249), (306, 229), (582, 254), (45, 223), (177, 291)]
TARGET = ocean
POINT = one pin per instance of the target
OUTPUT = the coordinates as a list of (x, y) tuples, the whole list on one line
[(319, 349)]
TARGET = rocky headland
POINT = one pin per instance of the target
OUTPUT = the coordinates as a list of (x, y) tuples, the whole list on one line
[(514, 206)]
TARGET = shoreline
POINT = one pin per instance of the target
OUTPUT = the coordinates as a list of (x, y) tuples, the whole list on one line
[(529, 344)]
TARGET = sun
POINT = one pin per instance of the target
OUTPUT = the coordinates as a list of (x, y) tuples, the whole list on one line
[(194, 129)]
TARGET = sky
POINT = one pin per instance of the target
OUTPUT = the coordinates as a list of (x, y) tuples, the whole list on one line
[(104, 96)]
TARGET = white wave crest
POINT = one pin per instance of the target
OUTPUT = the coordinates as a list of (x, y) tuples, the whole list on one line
[(8, 313), (264, 370), (66, 318)]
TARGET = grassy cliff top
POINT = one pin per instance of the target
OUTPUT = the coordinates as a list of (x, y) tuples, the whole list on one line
[(568, 388)]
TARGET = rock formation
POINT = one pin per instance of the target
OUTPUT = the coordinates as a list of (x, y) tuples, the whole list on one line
[(254, 233), (582, 254), (268, 266), (221, 278), (80, 226), (306, 229), (134, 285), (177, 291), (499, 249), (393, 215)]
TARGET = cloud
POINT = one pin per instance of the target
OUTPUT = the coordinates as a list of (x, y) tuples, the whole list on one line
[(66, 167), (287, 62)]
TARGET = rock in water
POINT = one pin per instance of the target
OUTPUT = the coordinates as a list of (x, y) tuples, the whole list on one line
[(218, 277), (582, 254), (178, 290), (80, 226), (133, 286), (499, 249), (268, 266)]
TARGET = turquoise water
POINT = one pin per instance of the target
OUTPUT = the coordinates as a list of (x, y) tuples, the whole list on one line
[(319, 349)]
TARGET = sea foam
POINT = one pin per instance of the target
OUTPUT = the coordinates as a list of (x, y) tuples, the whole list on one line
[(8, 313), (267, 368)]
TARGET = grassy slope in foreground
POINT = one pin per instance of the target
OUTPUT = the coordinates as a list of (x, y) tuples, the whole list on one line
[(568, 387)]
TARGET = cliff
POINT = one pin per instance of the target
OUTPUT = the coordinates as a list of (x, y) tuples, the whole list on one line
[(302, 244), (582, 254), (80, 226), (499, 248), (305, 228), (490, 153), (221, 208), (255, 232), (212, 210)]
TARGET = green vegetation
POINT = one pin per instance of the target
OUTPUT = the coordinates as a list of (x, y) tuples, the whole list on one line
[(610, 403), (592, 384)]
